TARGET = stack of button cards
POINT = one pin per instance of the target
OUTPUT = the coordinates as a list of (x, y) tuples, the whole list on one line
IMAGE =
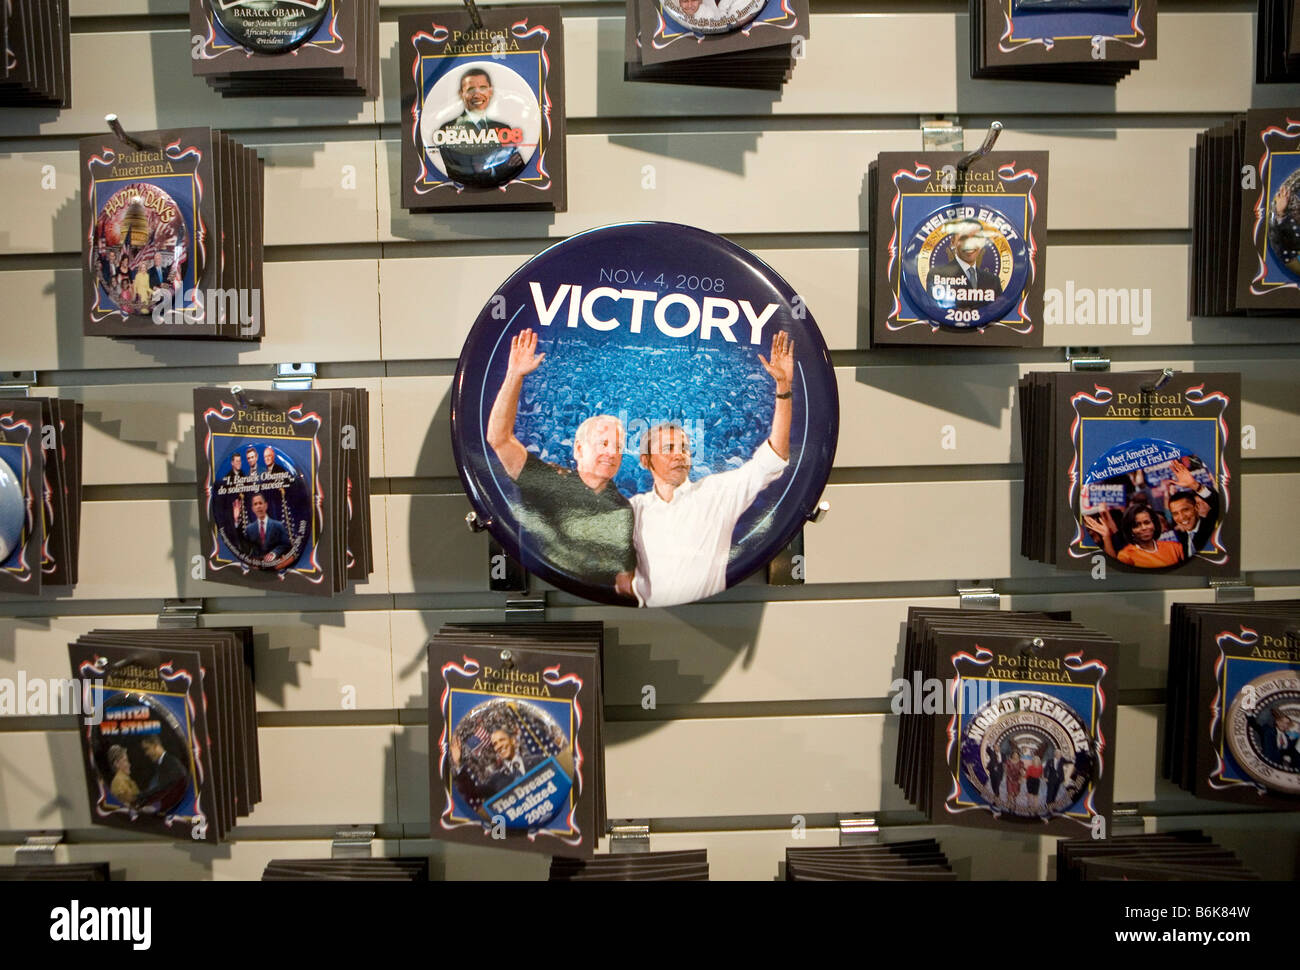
[(1136, 472), (63, 872), (169, 732), (720, 43), (37, 68), (919, 860), (1008, 720), (284, 488), (687, 865), (1246, 217), (346, 870), (1083, 41), (483, 109), (171, 225), (1277, 42), (270, 48), (517, 758), (958, 248), (1232, 727), (40, 493), (1155, 857)]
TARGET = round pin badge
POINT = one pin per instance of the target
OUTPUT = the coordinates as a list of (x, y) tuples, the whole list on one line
[(499, 751), (140, 248), (261, 506), (1141, 499), (270, 26), (146, 771), (1020, 754), (964, 268), (644, 414), (713, 16), (12, 511), (1264, 730), (480, 123)]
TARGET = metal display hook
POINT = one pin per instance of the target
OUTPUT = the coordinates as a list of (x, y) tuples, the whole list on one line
[(117, 129), (1166, 375), (474, 17), (990, 140)]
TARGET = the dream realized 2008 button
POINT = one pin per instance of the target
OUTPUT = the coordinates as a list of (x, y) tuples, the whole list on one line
[(965, 266)]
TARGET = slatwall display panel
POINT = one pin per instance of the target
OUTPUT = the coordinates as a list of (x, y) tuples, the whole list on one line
[(771, 687)]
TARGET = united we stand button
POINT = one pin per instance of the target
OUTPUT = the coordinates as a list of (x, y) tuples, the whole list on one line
[(644, 414)]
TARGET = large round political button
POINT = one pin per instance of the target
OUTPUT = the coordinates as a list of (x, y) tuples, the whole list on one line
[(1028, 755), (1264, 730), (12, 511), (1142, 498), (644, 414), (1284, 224), (261, 506), (713, 16), (140, 248), (270, 26), (127, 762), (965, 268)]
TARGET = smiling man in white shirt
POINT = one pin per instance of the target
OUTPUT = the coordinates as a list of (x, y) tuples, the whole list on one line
[(683, 528)]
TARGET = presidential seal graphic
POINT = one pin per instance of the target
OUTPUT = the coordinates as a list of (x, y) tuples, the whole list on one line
[(1264, 730), (480, 124), (261, 506), (1027, 754), (713, 16), (510, 760), (270, 26), (965, 266), (1284, 224), (139, 250)]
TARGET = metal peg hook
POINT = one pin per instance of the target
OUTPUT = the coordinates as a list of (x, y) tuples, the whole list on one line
[(238, 391), (1033, 647), (507, 660), (118, 130), (1165, 377), (990, 140), (474, 17)]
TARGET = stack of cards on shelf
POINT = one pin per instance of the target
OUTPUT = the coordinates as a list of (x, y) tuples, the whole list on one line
[(347, 870), (37, 58), (1080, 41), (1154, 857), (959, 248), (483, 123), (1232, 723), (721, 43), (687, 865), (61, 872), (516, 750), (1246, 217), (919, 860), (284, 487), (40, 493), (1138, 472), (1008, 720), (1277, 42), (169, 736), (171, 229), (316, 48)]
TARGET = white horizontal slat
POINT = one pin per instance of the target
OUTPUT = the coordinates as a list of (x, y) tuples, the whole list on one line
[(133, 438), (305, 321), (179, 862), (949, 415), (160, 91), (302, 661), (43, 786)]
